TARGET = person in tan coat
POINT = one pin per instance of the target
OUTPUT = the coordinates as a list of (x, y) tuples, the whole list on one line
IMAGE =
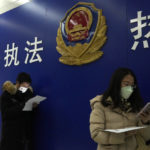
[(117, 108)]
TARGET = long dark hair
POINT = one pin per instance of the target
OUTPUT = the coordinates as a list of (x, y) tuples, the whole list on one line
[(114, 90)]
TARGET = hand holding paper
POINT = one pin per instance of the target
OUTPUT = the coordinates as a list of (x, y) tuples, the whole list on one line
[(29, 104)]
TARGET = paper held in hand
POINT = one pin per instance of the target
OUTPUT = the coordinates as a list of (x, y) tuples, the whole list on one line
[(124, 129), (37, 99)]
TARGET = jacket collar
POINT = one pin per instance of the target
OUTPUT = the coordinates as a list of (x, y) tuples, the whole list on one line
[(11, 88)]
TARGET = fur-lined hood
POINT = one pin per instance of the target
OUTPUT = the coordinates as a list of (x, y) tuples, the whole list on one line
[(11, 88)]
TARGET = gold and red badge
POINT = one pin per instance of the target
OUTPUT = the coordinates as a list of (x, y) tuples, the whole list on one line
[(81, 35)]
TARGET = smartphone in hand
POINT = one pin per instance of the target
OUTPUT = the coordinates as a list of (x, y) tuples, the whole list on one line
[(146, 108), (144, 114)]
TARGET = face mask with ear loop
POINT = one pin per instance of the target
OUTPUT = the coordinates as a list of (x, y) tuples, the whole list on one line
[(23, 89), (126, 92)]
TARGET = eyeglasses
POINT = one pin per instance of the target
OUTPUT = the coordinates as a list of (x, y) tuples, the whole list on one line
[(125, 83)]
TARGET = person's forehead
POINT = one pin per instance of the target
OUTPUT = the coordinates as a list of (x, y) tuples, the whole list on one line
[(25, 83), (129, 78)]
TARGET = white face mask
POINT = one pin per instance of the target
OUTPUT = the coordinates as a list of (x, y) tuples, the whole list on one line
[(23, 89), (126, 91)]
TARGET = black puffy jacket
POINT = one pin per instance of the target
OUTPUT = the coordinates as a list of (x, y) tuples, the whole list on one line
[(16, 124)]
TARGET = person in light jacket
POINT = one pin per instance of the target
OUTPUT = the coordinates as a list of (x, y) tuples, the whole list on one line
[(117, 108)]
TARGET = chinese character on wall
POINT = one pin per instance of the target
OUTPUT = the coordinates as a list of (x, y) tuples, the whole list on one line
[(32, 50), (141, 22)]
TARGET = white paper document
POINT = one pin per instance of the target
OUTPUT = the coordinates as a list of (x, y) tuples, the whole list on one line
[(37, 99), (124, 129)]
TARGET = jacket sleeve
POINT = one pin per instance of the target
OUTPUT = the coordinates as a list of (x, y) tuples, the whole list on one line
[(9, 107), (145, 133), (97, 126)]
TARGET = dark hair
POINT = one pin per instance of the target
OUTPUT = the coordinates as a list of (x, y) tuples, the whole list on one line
[(23, 77), (114, 90)]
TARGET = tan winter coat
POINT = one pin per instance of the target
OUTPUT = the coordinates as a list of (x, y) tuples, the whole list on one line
[(107, 118)]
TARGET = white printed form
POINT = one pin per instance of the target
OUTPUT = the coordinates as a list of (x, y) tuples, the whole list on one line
[(37, 99), (125, 129)]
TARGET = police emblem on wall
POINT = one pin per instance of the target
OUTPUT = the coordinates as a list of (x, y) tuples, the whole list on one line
[(81, 34)]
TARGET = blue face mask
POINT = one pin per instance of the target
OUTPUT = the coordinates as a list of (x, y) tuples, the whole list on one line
[(126, 92)]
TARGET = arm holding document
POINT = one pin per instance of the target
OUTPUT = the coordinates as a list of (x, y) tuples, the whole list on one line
[(98, 124), (33, 102), (144, 116)]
